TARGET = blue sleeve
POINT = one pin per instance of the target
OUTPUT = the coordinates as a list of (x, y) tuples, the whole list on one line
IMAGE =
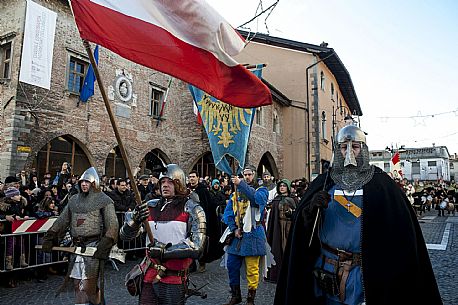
[(247, 190), (229, 216), (260, 198)]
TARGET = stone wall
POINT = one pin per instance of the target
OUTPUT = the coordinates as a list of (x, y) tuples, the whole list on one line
[(36, 116)]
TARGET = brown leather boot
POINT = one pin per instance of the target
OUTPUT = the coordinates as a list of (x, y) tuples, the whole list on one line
[(250, 297), (236, 295)]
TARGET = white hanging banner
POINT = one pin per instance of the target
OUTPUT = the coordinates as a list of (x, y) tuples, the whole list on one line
[(38, 46)]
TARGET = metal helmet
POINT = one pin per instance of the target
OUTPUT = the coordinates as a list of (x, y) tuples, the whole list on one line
[(348, 171), (173, 171), (351, 133), (91, 175)]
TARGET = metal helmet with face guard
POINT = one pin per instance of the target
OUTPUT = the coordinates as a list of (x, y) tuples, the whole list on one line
[(349, 171), (349, 135)]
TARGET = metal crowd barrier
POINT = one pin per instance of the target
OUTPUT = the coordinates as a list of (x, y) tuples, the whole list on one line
[(19, 238), (138, 243), (18, 241)]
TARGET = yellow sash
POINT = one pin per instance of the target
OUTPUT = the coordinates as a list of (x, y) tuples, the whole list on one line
[(350, 206)]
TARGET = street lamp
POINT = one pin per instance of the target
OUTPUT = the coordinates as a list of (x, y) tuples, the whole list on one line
[(400, 150)]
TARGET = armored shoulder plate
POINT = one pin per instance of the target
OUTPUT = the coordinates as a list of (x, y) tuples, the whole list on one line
[(195, 197), (190, 205)]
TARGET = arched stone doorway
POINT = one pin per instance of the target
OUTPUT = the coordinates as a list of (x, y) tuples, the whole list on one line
[(153, 160), (267, 163), (205, 165), (114, 165), (61, 149)]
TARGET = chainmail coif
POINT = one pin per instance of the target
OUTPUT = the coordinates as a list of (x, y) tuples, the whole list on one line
[(352, 178)]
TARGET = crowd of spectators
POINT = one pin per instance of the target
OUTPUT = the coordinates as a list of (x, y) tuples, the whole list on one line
[(425, 196), (30, 196)]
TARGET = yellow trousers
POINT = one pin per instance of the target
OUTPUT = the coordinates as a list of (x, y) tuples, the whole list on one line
[(252, 271)]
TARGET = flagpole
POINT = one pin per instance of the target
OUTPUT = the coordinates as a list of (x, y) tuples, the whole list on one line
[(116, 131), (236, 200)]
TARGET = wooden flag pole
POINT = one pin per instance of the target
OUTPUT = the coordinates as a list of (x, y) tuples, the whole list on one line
[(116, 131), (236, 200)]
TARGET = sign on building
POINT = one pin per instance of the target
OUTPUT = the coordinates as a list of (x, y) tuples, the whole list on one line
[(37, 50)]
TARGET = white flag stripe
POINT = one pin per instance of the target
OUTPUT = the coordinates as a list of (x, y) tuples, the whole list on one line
[(189, 20)]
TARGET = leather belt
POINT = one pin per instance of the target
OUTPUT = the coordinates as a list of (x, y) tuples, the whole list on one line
[(84, 240), (343, 255), (168, 272), (180, 273), (343, 265)]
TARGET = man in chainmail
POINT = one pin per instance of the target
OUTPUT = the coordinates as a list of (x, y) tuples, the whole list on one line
[(91, 217), (355, 238), (178, 225)]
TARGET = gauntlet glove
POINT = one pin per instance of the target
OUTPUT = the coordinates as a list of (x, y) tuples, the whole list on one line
[(157, 249), (140, 213)]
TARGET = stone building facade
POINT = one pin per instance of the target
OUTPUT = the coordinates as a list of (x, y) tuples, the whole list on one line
[(37, 125), (32, 117)]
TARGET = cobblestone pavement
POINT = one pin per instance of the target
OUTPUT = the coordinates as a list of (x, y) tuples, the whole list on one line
[(443, 261)]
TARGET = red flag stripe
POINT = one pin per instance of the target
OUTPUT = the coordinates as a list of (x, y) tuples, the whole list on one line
[(396, 158), (155, 47)]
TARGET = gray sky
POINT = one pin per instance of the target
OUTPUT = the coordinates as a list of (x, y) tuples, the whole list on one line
[(400, 55)]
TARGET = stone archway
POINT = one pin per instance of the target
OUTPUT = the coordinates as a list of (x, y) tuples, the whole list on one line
[(205, 165), (267, 163), (114, 164), (65, 148), (152, 161)]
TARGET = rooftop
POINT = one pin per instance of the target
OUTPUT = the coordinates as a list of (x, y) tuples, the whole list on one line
[(334, 64)]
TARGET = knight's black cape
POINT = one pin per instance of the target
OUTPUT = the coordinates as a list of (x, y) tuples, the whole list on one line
[(395, 263)]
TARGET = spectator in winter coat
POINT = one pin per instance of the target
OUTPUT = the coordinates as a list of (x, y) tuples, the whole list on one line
[(122, 197)]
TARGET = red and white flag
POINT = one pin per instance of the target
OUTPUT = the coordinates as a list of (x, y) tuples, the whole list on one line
[(187, 39), (395, 166)]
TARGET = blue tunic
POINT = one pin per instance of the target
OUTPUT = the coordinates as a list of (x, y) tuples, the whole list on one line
[(252, 243), (341, 229)]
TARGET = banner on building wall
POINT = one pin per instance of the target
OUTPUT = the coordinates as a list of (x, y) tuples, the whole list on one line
[(38, 46), (228, 127)]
